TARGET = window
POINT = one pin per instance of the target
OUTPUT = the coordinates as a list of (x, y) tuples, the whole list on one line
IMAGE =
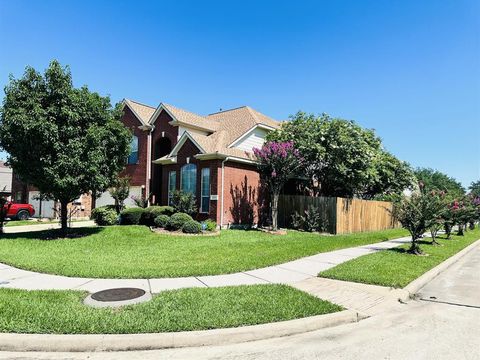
[(188, 177), (133, 157), (205, 201), (172, 183)]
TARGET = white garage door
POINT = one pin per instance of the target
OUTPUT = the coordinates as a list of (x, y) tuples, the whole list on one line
[(47, 205)]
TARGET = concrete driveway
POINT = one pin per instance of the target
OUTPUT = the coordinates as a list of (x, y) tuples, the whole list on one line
[(447, 328)]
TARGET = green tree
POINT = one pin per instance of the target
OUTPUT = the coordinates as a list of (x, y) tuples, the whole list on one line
[(119, 192), (418, 213), (436, 180), (475, 188), (342, 158), (65, 141)]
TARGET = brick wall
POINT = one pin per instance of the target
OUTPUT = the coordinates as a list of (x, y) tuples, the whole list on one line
[(136, 172), (244, 197), (163, 130)]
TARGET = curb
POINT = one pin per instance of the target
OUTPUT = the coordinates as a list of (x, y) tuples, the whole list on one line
[(411, 289), (125, 342)]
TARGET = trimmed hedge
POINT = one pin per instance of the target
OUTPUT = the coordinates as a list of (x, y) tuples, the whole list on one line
[(131, 216), (151, 212), (192, 227), (105, 215), (161, 221), (177, 220)]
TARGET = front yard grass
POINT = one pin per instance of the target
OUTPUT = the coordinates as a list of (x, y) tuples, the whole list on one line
[(62, 312), (136, 252), (397, 268)]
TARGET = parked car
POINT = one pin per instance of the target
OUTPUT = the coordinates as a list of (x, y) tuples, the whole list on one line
[(19, 211)]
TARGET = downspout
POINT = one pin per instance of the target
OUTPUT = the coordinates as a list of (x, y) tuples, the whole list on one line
[(223, 186)]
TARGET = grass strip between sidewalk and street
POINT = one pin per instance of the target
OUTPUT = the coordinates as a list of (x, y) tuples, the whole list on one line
[(135, 252), (62, 312), (396, 267)]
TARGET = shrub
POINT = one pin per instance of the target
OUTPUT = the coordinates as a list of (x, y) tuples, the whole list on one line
[(150, 214), (177, 220), (161, 221), (210, 225), (184, 202), (105, 215), (192, 227), (131, 216)]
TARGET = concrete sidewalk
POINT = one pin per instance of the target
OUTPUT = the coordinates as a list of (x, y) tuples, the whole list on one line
[(293, 272), (47, 226)]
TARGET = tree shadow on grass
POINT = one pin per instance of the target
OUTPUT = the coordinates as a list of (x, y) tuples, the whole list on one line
[(53, 234)]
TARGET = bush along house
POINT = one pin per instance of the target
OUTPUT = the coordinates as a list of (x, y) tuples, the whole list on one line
[(210, 156)]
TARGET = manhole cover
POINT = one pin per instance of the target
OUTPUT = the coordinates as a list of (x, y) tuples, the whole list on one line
[(120, 294)]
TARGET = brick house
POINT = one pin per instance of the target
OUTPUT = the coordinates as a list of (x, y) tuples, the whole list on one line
[(210, 156)]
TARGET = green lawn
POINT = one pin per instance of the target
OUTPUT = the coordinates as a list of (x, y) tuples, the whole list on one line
[(62, 312), (396, 267), (136, 252)]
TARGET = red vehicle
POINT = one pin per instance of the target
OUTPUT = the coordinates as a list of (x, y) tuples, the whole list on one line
[(19, 211)]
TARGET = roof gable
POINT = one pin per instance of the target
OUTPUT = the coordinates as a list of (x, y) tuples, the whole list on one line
[(141, 111)]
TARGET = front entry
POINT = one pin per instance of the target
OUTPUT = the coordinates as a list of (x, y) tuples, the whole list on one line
[(162, 147)]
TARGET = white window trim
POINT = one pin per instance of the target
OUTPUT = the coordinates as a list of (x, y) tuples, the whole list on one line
[(202, 211)]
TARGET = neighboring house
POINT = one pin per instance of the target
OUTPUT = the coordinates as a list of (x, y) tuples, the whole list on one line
[(28, 194), (5, 178), (210, 156)]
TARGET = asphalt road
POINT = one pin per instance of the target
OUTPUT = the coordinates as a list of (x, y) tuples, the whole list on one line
[(444, 323)]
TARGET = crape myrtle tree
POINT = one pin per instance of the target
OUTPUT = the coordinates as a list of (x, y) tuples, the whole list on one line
[(418, 213), (342, 158), (277, 162), (65, 141)]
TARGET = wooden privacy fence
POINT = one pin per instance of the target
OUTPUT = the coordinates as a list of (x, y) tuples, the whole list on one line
[(342, 215)]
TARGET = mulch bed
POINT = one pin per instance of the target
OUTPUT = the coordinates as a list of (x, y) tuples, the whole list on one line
[(181, 233)]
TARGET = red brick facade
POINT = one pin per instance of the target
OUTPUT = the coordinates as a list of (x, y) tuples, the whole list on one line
[(136, 172)]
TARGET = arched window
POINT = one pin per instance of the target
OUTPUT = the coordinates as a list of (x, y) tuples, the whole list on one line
[(188, 176), (133, 157)]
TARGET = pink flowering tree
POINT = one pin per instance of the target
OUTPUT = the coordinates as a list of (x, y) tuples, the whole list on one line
[(277, 162)]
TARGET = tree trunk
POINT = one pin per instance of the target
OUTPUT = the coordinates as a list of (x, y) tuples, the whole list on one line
[(460, 230), (64, 215), (448, 230), (472, 225), (275, 211), (433, 233), (414, 247)]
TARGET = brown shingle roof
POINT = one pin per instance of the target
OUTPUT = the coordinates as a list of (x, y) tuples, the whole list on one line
[(142, 111), (237, 122), (189, 118)]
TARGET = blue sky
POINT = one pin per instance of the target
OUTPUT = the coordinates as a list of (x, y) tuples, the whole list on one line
[(409, 69)]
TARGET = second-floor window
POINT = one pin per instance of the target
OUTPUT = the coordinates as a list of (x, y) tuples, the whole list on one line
[(133, 157)]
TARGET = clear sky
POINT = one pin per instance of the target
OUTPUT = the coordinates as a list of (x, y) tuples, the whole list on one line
[(409, 69)]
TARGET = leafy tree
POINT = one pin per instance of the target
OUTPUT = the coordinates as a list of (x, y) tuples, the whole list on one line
[(65, 141), (342, 158), (119, 192), (436, 180), (277, 162), (475, 188), (418, 213)]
